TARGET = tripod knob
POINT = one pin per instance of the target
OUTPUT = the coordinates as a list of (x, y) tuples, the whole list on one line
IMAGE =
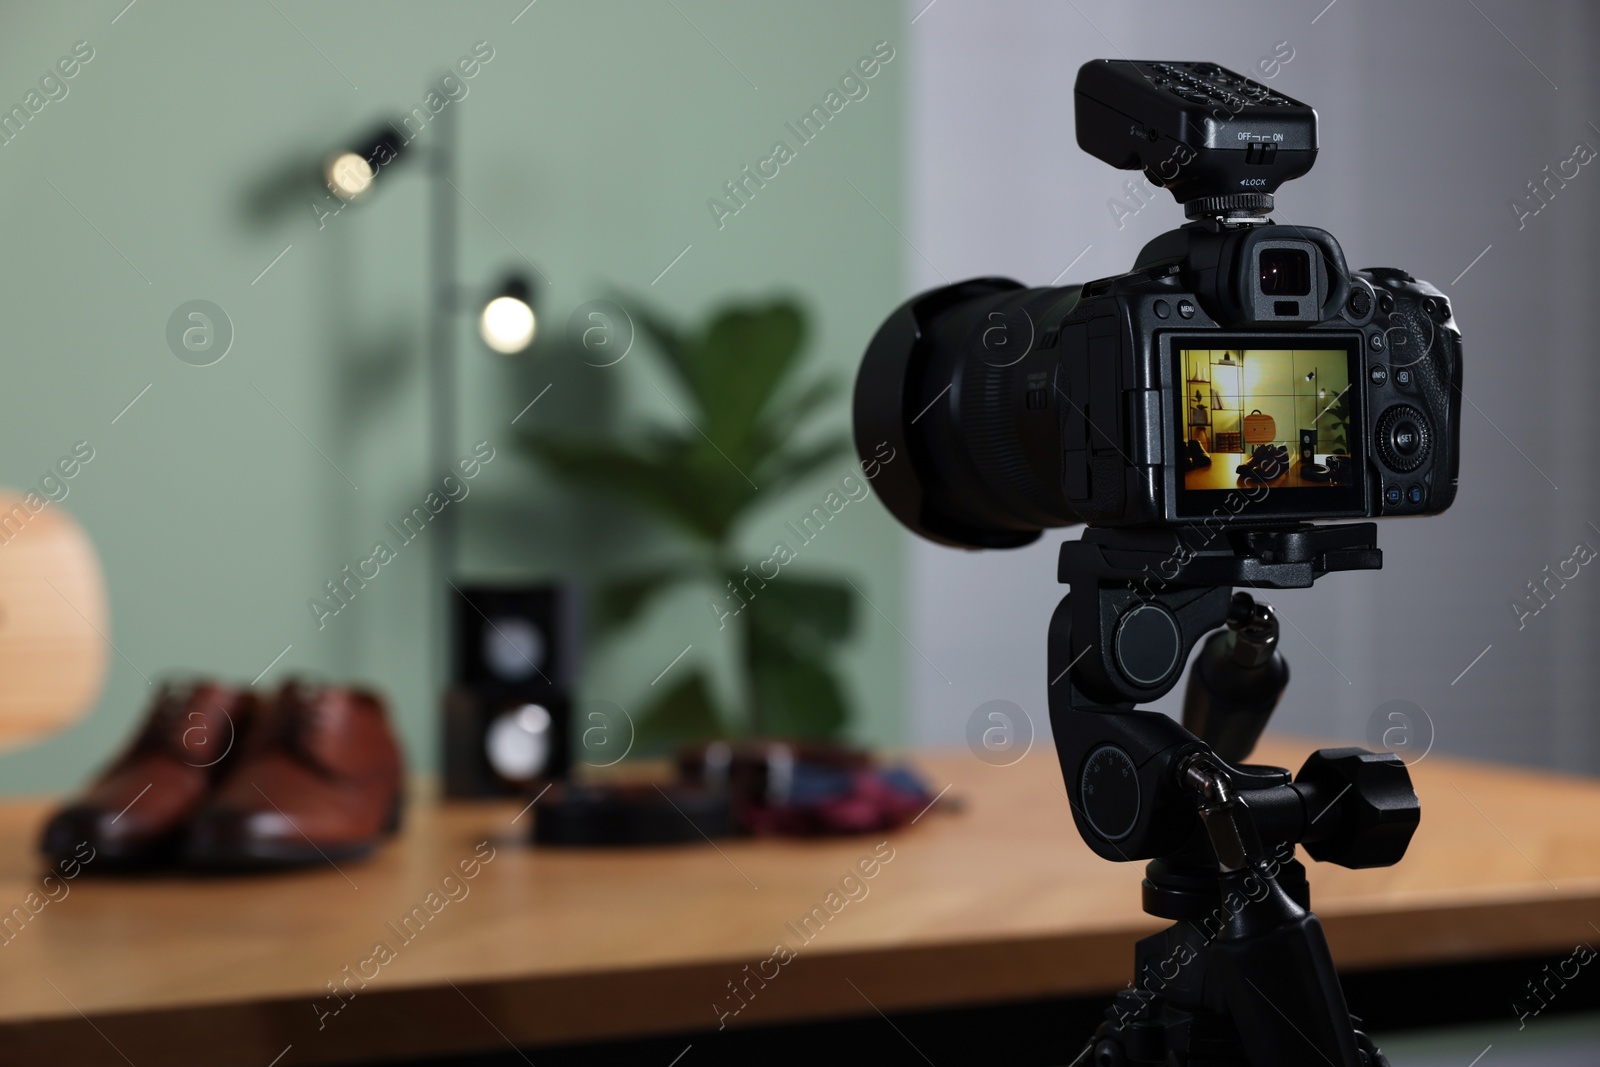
[(1360, 808), (1236, 680)]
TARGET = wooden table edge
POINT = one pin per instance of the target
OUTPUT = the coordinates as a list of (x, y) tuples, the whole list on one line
[(483, 1016)]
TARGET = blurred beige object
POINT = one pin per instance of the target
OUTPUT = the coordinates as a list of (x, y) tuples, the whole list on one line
[(52, 615)]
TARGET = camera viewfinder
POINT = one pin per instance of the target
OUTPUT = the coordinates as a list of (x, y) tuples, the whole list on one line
[(1285, 272)]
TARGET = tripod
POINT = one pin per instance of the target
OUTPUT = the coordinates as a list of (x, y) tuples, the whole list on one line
[(1244, 975)]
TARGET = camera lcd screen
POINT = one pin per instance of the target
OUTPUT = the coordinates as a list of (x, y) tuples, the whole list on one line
[(1265, 430)]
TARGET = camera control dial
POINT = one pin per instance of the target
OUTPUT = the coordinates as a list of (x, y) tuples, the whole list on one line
[(1403, 438)]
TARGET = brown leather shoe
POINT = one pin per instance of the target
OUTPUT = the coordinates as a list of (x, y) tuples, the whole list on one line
[(319, 781), (135, 813)]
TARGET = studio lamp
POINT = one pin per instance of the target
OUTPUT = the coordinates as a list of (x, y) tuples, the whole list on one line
[(507, 322), (349, 174)]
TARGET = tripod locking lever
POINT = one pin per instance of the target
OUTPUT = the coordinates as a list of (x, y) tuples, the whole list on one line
[(1270, 957), (1228, 821)]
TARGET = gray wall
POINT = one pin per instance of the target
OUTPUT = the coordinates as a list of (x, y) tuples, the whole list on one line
[(1431, 122)]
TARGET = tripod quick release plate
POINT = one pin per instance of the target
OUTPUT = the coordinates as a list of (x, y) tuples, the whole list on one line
[(1261, 557)]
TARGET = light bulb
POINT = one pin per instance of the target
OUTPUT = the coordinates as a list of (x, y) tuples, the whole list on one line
[(507, 324), (349, 175)]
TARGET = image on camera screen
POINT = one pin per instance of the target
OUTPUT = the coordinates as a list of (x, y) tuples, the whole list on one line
[(1279, 416)]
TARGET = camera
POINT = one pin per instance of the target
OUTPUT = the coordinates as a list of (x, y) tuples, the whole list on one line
[(1240, 373)]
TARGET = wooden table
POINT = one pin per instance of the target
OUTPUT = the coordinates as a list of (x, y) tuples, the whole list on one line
[(996, 901)]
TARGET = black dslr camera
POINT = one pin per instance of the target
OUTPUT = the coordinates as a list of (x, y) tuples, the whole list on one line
[(1240, 373)]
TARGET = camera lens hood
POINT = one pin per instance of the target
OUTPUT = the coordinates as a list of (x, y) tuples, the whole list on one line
[(902, 401)]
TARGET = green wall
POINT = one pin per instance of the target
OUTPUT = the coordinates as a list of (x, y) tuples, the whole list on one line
[(591, 141)]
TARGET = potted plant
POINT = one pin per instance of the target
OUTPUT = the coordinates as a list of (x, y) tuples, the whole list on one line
[(700, 474)]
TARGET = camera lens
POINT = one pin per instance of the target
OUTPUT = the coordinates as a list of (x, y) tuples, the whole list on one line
[(1285, 272), (955, 421)]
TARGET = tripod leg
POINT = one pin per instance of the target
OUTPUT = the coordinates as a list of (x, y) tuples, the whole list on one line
[(1374, 1055), (1278, 977)]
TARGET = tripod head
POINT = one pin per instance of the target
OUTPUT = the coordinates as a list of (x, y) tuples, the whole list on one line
[(1219, 142), (1220, 833), (1141, 601)]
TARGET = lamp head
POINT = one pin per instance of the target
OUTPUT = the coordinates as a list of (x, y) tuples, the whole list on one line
[(507, 323), (350, 173)]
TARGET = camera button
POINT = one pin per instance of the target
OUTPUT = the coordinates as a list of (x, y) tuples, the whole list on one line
[(1414, 494), (1375, 342), (1360, 303), (1162, 309), (1378, 374), (1403, 438), (1186, 308), (1392, 496), (1402, 376)]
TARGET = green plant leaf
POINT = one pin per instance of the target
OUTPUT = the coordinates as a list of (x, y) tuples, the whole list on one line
[(738, 365), (737, 429), (733, 374), (791, 626), (686, 483), (685, 712), (788, 412), (795, 696), (789, 468), (618, 602), (667, 339), (799, 613)]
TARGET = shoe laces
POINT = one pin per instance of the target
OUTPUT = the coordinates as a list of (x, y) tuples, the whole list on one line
[(176, 715), (299, 715), (171, 702)]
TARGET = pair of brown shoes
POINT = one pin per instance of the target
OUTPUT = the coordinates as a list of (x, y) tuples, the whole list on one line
[(225, 777)]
